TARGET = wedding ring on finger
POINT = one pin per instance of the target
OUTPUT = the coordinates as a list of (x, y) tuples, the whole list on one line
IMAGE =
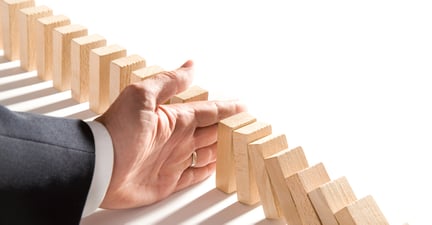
[(194, 159)]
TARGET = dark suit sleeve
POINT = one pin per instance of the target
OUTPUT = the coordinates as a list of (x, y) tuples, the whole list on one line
[(46, 167)]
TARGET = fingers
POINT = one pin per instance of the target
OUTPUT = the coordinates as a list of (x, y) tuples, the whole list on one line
[(167, 84), (212, 112), (195, 175)]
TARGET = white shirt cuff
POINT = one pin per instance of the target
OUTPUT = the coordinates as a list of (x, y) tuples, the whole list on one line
[(104, 160)]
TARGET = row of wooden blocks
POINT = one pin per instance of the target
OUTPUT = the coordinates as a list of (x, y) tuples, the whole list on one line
[(73, 59), (259, 166)]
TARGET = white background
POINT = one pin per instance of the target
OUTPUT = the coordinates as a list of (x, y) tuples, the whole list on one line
[(348, 81)]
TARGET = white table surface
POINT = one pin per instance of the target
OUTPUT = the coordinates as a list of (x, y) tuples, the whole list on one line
[(349, 82)]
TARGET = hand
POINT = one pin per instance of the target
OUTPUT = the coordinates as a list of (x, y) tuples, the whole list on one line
[(153, 143)]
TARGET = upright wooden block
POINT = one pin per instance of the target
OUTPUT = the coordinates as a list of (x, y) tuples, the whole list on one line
[(120, 73), (330, 198), (360, 212), (9, 10), (279, 167), (44, 46), (225, 167), (100, 60), (247, 190), (303, 182), (62, 69), (258, 151), (80, 64), (144, 73), (194, 93), (27, 25)]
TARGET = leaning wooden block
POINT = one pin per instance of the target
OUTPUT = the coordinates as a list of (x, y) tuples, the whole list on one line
[(194, 93), (330, 198), (62, 70), (360, 212), (258, 151), (144, 73), (225, 168), (27, 25), (280, 166), (80, 64), (100, 60), (44, 46), (247, 190), (303, 182), (9, 10), (121, 71)]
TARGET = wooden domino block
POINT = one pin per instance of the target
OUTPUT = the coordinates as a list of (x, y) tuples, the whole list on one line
[(360, 212), (258, 151), (27, 25), (303, 182), (247, 190), (121, 71), (9, 10), (62, 70), (80, 63), (330, 198), (225, 168), (194, 93), (44, 46), (280, 166), (100, 60), (144, 73)]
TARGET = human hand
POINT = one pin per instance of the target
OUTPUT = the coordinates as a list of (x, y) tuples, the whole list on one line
[(153, 143)]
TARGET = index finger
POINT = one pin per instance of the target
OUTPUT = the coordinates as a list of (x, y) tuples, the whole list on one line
[(210, 112)]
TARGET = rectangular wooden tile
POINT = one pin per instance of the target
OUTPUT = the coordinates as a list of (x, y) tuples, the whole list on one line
[(225, 164), (247, 190), (360, 212), (27, 25), (80, 64), (193, 93)]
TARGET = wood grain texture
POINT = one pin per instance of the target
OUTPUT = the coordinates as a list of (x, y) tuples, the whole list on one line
[(225, 164), (9, 10), (120, 73), (330, 198), (80, 64), (258, 151), (27, 24), (303, 182), (44, 46), (145, 73), (193, 93), (247, 190), (62, 68), (280, 166), (361, 212), (100, 61)]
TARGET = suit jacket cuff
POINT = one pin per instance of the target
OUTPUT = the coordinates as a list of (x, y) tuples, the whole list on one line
[(104, 160)]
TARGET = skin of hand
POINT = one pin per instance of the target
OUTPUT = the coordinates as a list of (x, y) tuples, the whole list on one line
[(153, 142)]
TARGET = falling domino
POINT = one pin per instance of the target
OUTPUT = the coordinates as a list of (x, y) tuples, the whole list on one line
[(362, 211), (280, 166), (62, 37), (300, 184), (44, 46), (100, 60), (194, 93), (27, 23), (144, 73), (9, 10), (225, 168), (258, 151), (330, 198), (247, 190), (80, 63), (121, 71)]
